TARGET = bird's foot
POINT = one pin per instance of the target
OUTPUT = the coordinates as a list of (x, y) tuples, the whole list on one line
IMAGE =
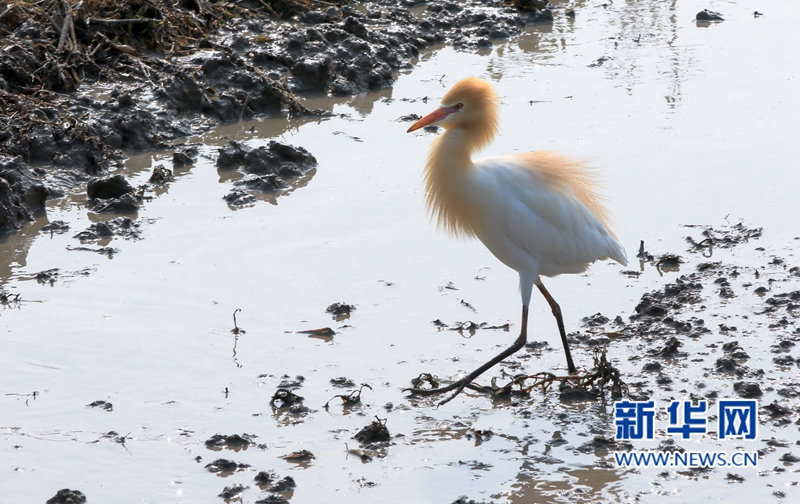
[(458, 386)]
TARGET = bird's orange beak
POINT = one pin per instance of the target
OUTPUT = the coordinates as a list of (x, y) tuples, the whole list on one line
[(434, 117)]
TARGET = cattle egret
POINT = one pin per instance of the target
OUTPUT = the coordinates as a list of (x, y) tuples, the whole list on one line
[(537, 212)]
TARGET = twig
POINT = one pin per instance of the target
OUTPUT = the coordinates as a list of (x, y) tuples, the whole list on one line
[(66, 28), (269, 8), (7, 11), (119, 22), (244, 106), (147, 74)]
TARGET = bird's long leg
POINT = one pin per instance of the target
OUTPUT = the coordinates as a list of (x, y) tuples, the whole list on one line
[(460, 384), (560, 321)]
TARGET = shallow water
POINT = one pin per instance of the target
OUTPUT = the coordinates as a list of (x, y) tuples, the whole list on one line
[(688, 124)]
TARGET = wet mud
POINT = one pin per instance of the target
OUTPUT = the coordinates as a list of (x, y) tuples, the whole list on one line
[(719, 321), (81, 83), (684, 323)]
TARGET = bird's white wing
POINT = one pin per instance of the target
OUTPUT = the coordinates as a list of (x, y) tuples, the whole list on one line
[(549, 223)]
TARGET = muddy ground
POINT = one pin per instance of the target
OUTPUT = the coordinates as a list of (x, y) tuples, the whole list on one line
[(174, 69), (299, 397)]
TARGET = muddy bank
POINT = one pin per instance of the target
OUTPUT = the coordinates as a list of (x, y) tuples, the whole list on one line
[(83, 82)]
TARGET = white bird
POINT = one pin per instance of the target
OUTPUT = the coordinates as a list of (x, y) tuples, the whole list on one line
[(537, 212)]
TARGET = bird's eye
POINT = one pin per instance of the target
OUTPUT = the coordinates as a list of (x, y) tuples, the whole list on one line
[(459, 106)]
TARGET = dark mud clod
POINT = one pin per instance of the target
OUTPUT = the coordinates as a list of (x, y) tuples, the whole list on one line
[(21, 193), (340, 309), (342, 382), (58, 226), (102, 405), (233, 442), (734, 478), (180, 159), (265, 477), (284, 398), (109, 187), (219, 61), (603, 444), (466, 500), (124, 227), (274, 158), (283, 485), (125, 204), (707, 15), (67, 496), (273, 499), (232, 491), (748, 389), (226, 466), (669, 350), (47, 276)]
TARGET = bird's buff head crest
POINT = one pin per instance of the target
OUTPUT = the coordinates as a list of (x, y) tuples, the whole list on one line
[(470, 105)]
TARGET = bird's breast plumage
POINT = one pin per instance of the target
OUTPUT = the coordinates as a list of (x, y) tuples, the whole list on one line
[(533, 221)]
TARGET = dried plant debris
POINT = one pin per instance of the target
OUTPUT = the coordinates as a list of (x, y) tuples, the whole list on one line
[(115, 437), (299, 456), (723, 236), (374, 432), (7, 298), (325, 333), (236, 329), (582, 385), (351, 399), (106, 251), (425, 378), (162, 175), (469, 326)]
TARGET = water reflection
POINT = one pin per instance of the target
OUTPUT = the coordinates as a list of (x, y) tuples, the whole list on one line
[(14, 246), (573, 486)]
